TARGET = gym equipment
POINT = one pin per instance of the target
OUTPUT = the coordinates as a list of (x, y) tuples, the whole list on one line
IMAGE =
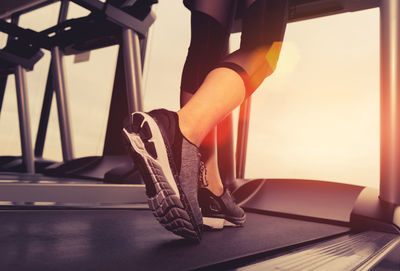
[(70, 223), (106, 25)]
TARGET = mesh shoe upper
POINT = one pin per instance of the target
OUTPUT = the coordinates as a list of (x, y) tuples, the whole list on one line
[(184, 160), (169, 165), (220, 207)]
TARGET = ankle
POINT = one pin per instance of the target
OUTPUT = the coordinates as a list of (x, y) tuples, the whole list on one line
[(217, 190), (187, 130)]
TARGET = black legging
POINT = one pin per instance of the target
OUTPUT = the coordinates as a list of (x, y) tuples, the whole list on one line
[(263, 28)]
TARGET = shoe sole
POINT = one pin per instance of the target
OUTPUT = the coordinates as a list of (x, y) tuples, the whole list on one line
[(219, 223), (149, 152)]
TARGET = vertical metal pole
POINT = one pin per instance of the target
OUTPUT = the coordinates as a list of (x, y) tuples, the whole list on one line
[(60, 89), (243, 133), (62, 105), (3, 85), (24, 123), (390, 101), (143, 49), (225, 147), (4, 77), (133, 69), (118, 111), (226, 152), (62, 16), (44, 115), (23, 115)]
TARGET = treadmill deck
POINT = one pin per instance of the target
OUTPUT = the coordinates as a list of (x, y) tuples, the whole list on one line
[(133, 240)]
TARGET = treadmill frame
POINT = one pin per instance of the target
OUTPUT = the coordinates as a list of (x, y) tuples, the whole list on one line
[(390, 110), (369, 208)]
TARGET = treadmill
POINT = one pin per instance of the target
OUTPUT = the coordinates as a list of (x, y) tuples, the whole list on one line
[(50, 223)]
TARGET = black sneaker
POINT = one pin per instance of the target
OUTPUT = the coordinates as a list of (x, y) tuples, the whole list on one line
[(169, 165), (220, 211)]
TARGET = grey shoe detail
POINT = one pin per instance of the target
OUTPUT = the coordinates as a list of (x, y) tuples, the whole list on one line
[(151, 148), (222, 208), (172, 199), (235, 213), (188, 178)]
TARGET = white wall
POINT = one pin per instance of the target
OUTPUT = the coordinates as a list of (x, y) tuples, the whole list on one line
[(316, 117)]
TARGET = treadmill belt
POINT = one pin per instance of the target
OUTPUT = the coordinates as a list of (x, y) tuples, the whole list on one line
[(133, 240)]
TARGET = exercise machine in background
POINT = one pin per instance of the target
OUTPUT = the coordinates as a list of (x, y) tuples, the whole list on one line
[(290, 224)]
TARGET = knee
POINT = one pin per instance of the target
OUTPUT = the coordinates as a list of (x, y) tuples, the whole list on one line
[(254, 64), (269, 57), (262, 64)]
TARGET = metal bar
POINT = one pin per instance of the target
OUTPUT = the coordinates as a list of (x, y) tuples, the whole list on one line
[(44, 115), (3, 78), (24, 122), (62, 105), (23, 115), (20, 7), (60, 89), (119, 16), (133, 70), (3, 85), (243, 134), (62, 16), (390, 101), (225, 145), (72, 193), (28, 35), (48, 95), (143, 49), (226, 153), (304, 10), (118, 111)]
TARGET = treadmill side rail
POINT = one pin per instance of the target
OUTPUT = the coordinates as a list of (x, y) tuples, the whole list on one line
[(359, 207), (370, 212), (309, 199), (72, 193)]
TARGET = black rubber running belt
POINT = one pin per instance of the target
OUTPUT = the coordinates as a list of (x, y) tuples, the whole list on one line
[(134, 240)]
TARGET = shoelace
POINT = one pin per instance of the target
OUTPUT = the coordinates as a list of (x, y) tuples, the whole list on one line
[(203, 174)]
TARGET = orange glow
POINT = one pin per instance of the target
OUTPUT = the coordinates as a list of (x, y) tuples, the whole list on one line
[(272, 55)]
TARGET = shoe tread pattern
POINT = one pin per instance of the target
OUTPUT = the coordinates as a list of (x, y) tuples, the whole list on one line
[(166, 206)]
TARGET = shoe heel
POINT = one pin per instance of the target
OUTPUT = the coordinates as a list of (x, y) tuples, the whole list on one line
[(145, 132), (136, 122), (141, 127)]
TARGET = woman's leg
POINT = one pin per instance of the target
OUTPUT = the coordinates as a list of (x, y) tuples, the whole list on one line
[(209, 40), (221, 92), (208, 150), (240, 73), (162, 142)]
